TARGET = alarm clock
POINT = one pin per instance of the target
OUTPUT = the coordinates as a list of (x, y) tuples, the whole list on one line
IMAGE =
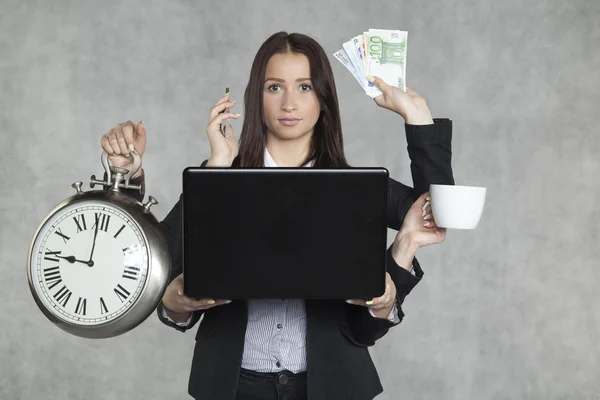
[(99, 263)]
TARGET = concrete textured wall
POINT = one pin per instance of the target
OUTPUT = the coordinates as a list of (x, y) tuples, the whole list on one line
[(507, 311)]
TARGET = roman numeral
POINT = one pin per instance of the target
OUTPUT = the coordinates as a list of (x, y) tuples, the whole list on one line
[(80, 222), (103, 309), (131, 272), (50, 253), (104, 220), (63, 295), (59, 233), (52, 276), (80, 308), (121, 292), (119, 231)]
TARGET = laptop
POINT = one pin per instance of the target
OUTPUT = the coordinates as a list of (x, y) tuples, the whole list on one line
[(304, 233)]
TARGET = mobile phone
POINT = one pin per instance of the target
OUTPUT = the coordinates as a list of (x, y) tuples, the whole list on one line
[(226, 125)]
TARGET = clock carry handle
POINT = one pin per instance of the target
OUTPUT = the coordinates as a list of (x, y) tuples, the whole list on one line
[(121, 173)]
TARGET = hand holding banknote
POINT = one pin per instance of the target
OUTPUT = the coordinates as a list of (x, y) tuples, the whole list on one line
[(377, 60), (412, 107)]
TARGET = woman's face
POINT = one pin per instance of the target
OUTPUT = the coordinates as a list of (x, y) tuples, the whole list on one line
[(290, 105)]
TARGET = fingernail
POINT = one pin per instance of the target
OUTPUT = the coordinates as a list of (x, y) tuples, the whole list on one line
[(370, 79), (211, 302), (239, 115), (427, 216), (131, 148), (227, 302), (369, 302), (350, 302), (428, 198), (424, 213), (426, 224), (179, 292)]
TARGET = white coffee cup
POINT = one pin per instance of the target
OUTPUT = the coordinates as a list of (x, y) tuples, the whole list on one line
[(457, 207)]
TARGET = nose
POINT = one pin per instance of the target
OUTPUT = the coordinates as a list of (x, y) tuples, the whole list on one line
[(289, 102)]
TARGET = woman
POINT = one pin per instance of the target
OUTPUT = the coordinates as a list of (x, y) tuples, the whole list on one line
[(296, 349)]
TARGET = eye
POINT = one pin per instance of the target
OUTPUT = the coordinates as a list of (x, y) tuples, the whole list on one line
[(305, 87), (274, 87)]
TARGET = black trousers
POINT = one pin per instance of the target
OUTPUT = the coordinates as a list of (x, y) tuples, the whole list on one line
[(272, 386)]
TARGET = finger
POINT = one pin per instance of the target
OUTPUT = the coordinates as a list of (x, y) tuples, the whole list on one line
[(178, 286), (209, 306), (376, 303), (123, 145), (379, 84), (224, 98), (106, 145), (357, 302), (193, 303), (219, 108), (424, 207), (432, 223), (216, 122), (227, 130), (141, 130), (128, 133), (121, 138), (114, 144)]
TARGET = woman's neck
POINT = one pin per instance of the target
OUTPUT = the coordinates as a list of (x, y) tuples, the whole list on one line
[(289, 153)]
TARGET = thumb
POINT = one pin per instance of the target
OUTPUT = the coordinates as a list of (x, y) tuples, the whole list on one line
[(178, 284), (141, 130), (379, 84)]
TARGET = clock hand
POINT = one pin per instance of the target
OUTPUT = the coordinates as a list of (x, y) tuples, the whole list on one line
[(73, 260), (90, 262)]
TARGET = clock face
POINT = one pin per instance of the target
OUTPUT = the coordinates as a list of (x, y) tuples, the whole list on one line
[(89, 263)]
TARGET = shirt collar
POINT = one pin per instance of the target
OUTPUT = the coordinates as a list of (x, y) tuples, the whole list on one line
[(269, 162)]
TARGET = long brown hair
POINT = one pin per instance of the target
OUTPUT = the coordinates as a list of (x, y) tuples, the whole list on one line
[(327, 146)]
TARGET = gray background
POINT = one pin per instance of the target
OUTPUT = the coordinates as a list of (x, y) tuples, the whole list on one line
[(507, 311)]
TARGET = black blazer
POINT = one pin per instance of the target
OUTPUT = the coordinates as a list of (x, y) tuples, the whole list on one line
[(338, 334)]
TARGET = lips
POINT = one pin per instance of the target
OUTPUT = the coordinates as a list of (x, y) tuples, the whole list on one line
[(289, 121)]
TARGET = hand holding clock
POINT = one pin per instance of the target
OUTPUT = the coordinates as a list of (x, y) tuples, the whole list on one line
[(120, 140), (179, 306)]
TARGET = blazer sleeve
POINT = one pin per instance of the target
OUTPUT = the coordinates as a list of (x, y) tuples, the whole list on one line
[(430, 152), (366, 329)]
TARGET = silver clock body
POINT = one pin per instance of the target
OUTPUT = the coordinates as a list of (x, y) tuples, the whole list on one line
[(116, 289)]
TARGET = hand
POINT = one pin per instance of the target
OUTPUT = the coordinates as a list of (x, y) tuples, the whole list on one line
[(120, 140), (223, 149), (73, 260), (418, 230), (409, 104), (174, 300), (90, 262), (381, 306)]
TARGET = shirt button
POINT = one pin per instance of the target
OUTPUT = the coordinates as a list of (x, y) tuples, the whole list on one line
[(278, 364), (279, 326)]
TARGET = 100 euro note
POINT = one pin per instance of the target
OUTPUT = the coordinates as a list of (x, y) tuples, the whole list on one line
[(378, 52), (385, 52)]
